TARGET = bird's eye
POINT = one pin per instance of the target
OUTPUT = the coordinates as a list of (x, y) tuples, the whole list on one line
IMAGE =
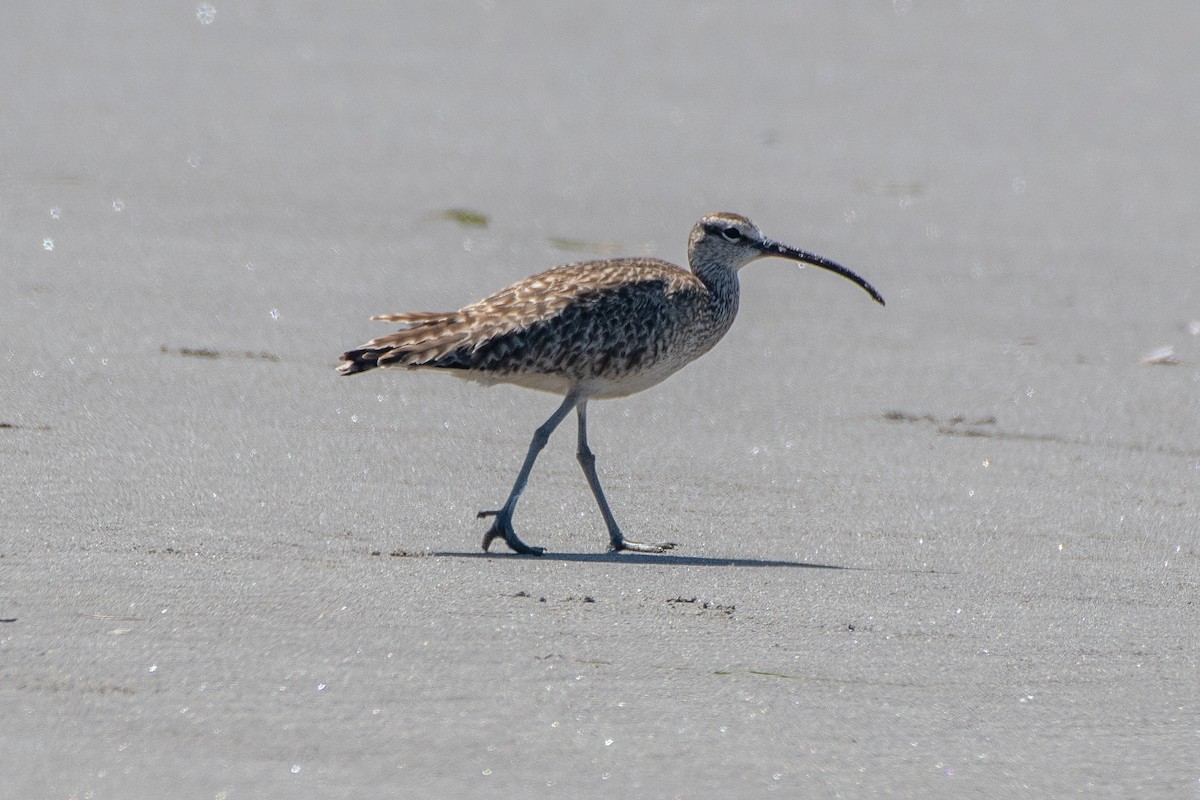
[(731, 234)]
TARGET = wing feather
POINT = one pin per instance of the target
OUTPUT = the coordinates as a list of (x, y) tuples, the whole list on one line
[(448, 339)]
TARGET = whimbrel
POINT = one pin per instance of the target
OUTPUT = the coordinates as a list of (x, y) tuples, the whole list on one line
[(596, 329)]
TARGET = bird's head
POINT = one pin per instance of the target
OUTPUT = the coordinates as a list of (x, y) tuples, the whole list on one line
[(730, 241)]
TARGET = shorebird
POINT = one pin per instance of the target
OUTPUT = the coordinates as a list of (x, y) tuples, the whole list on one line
[(591, 330)]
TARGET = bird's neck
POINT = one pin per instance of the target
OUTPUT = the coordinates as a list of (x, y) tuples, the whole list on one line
[(723, 288)]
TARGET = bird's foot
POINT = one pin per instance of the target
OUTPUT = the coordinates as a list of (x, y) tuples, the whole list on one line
[(502, 529), (640, 547)]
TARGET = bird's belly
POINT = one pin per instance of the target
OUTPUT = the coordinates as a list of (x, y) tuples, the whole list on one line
[(618, 377), (555, 383), (597, 386), (606, 387)]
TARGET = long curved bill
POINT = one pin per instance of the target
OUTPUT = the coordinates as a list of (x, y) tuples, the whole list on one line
[(773, 248)]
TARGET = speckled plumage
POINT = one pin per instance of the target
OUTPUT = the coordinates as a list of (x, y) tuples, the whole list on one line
[(616, 326), (595, 329)]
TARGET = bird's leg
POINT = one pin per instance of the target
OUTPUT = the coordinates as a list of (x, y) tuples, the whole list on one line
[(587, 460), (502, 526)]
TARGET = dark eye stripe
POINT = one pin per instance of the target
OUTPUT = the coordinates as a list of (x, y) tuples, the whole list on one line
[(726, 231)]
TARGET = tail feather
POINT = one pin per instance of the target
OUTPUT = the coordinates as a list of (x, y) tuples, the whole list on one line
[(359, 360), (421, 352), (412, 317), (428, 337)]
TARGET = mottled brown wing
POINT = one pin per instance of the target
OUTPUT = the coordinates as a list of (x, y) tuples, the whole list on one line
[(450, 340)]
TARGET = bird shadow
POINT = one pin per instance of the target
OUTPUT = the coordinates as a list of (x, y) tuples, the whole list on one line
[(645, 559)]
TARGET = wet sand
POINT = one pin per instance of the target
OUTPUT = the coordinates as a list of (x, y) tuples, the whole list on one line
[(945, 548)]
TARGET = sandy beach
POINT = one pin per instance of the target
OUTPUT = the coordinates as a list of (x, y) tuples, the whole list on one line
[(946, 548)]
